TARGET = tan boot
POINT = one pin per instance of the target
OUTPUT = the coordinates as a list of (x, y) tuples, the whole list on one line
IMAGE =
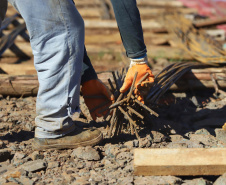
[(75, 139)]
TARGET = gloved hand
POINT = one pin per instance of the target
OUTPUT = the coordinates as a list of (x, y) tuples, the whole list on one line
[(142, 68), (93, 88)]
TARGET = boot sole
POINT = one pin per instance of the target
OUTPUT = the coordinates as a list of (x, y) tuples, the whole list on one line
[(76, 145)]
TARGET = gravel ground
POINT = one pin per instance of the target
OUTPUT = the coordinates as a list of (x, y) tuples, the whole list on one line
[(187, 120)]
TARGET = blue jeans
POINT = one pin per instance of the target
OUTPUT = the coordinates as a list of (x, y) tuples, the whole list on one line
[(56, 32)]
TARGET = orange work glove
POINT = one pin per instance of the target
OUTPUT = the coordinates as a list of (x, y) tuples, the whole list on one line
[(140, 66), (95, 94)]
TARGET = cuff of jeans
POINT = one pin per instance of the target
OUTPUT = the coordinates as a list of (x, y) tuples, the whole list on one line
[(136, 54)]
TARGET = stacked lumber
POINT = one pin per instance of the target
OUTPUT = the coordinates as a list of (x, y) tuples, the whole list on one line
[(103, 42), (102, 31)]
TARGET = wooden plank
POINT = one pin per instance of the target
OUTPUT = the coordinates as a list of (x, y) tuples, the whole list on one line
[(112, 24), (180, 162), (210, 22), (16, 84), (165, 3)]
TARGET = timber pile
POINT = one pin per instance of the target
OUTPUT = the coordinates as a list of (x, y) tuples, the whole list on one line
[(103, 43), (102, 34)]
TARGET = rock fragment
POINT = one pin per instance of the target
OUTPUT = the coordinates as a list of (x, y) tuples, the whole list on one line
[(221, 180), (87, 153), (199, 181), (34, 166), (221, 134)]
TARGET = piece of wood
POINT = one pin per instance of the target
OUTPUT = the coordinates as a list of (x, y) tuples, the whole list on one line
[(112, 24), (163, 3), (210, 22), (18, 85), (180, 162)]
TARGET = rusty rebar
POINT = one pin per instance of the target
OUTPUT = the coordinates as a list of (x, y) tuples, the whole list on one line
[(135, 112), (117, 103), (116, 82), (111, 85), (147, 108), (143, 78)]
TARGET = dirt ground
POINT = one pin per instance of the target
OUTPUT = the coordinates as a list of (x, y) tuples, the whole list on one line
[(187, 120)]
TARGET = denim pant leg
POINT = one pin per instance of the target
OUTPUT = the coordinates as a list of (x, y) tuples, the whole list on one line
[(129, 23), (3, 8), (57, 39)]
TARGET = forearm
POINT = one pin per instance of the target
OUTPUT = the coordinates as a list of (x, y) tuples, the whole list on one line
[(3, 8), (129, 23), (88, 70)]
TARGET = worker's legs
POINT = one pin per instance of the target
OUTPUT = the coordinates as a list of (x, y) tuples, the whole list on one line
[(57, 38), (3, 8), (129, 23)]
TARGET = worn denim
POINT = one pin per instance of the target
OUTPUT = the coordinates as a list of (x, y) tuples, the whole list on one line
[(57, 39), (129, 24)]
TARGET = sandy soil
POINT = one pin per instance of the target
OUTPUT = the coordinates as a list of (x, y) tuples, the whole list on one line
[(187, 120)]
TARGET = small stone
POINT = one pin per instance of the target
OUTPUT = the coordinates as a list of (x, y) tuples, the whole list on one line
[(33, 166), (221, 180), (124, 156), (199, 181), (208, 140), (136, 143), (53, 164), (19, 155), (157, 137), (221, 134), (127, 180), (87, 153), (129, 144), (176, 138), (176, 145), (25, 180), (35, 156), (4, 155), (202, 131)]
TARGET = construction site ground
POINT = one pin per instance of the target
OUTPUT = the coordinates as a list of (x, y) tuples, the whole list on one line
[(191, 115), (191, 119)]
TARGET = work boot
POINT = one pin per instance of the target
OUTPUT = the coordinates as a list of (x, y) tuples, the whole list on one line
[(77, 138)]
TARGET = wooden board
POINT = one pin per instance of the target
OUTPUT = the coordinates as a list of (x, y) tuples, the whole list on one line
[(180, 162)]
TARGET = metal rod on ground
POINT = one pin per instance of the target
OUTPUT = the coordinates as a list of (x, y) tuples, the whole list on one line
[(115, 79), (147, 108), (112, 86), (127, 116), (131, 121), (135, 112), (117, 103), (112, 122)]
